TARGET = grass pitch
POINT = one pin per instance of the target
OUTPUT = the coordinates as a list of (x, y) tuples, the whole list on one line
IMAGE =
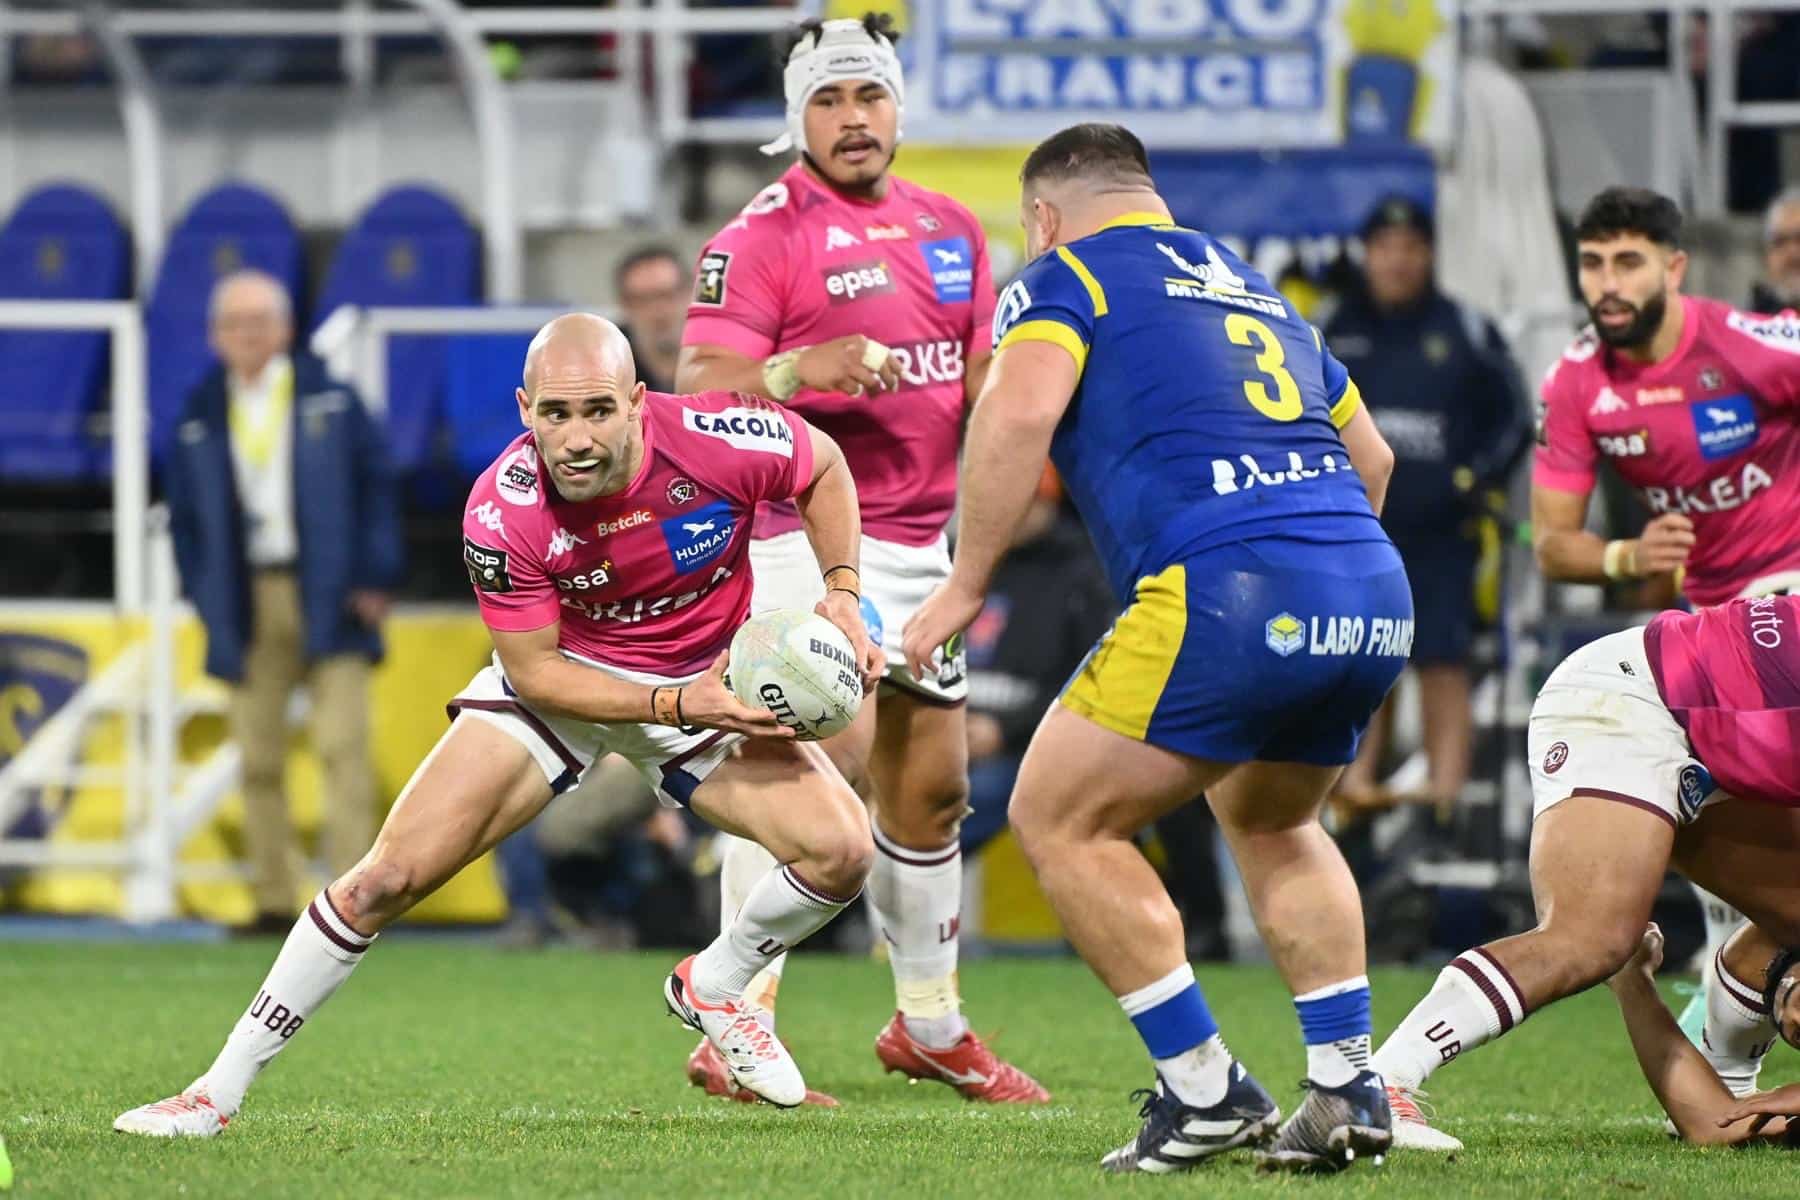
[(449, 1069)]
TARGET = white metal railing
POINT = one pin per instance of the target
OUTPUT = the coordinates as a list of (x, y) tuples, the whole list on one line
[(130, 422), (1724, 111)]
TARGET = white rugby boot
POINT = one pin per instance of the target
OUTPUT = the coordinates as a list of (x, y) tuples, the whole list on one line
[(1413, 1129), (189, 1114), (753, 1054)]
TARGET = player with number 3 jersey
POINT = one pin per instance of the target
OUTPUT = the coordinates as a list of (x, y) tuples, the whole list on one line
[(1229, 476)]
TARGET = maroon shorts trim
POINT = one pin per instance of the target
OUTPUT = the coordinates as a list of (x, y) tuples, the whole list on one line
[(1622, 798), (571, 765)]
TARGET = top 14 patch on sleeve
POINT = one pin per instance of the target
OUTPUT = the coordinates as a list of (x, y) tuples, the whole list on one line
[(487, 567), (709, 279)]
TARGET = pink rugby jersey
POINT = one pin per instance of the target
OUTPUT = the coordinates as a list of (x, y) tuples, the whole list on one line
[(1731, 677), (657, 577), (803, 264), (1712, 431)]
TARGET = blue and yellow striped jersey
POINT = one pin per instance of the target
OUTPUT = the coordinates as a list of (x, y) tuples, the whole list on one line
[(1206, 411)]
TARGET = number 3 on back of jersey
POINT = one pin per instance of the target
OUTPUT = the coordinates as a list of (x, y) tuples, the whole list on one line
[(1271, 359)]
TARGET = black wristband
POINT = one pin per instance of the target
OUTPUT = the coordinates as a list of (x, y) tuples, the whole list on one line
[(680, 719), (852, 591)]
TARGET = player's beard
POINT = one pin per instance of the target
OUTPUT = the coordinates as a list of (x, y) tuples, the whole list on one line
[(858, 179), (1647, 318)]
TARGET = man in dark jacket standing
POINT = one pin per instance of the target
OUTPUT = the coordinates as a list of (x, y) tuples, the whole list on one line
[(1443, 389), (1780, 284), (286, 530)]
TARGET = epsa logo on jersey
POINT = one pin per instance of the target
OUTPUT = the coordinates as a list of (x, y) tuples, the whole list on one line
[(1635, 444), (697, 538), (951, 262), (1725, 425), (744, 428), (847, 283), (709, 278)]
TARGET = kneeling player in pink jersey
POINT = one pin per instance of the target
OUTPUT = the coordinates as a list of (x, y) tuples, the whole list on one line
[(609, 548), (1675, 744), (863, 302)]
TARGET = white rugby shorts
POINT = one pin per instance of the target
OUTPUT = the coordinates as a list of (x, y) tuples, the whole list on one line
[(1599, 727), (675, 760), (895, 581)]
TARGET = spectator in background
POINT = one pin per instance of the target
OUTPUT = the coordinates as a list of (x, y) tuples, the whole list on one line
[(652, 284), (286, 530), (1444, 391), (1780, 286)]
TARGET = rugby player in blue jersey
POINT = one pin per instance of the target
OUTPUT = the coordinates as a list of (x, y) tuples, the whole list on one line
[(1223, 463)]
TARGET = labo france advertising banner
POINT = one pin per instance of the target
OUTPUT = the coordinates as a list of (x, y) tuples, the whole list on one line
[(1184, 74)]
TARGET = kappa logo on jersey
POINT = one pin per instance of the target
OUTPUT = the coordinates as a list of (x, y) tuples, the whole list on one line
[(681, 490), (516, 479), (744, 428), (925, 363), (487, 567), (1781, 332), (487, 515), (1635, 444), (1011, 306), (1608, 401), (1284, 634), (951, 262), (562, 541), (848, 283), (1725, 425), (630, 520), (697, 538), (709, 278), (837, 238)]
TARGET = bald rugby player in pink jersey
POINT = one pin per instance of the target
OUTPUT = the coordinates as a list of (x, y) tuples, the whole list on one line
[(865, 302), (1696, 405), (608, 547), (1675, 744)]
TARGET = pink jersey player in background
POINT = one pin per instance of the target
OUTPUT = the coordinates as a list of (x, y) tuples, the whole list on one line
[(864, 302), (1675, 744), (1696, 405), (609, 549)]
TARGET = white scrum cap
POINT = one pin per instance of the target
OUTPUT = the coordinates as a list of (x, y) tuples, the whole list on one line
[(844, 49)]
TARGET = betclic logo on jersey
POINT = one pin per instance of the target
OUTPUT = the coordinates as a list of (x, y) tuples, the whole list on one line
[(697, 538), (1725, 425), (853, 281), (951, 262)]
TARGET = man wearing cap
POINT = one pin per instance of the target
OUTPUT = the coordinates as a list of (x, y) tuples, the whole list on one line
[(864, 302), (1443, 389)]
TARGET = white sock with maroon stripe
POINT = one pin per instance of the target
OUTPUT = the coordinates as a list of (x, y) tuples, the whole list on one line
[(782, 910), (742, 865), (1738, 1029), (1473, 1002), (917, 896), (319, 954)]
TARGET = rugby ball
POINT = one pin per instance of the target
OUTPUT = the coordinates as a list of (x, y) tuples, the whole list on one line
[(800, 667)]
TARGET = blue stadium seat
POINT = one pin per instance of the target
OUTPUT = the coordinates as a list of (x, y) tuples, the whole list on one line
[(61, 243), (227, 229), (411, 248), (480, 405)]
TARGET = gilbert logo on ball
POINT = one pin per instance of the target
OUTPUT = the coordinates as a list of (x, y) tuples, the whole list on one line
[(800, 667)]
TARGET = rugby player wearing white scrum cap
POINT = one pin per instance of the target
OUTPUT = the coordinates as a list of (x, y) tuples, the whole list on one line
[(864, 302)]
